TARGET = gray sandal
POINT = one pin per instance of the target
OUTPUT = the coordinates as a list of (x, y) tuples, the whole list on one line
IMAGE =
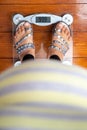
[(23, 48), (59, 44)]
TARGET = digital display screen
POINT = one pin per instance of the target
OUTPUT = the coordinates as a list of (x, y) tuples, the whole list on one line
[(43, 19)]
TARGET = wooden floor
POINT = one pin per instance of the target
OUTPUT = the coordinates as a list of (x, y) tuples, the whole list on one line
[(78, 8)]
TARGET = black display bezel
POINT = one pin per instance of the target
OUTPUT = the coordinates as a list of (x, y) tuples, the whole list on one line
[(43, 19)]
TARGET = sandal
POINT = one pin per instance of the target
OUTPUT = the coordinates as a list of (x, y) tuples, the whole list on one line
[(23, 40), (61, 40)]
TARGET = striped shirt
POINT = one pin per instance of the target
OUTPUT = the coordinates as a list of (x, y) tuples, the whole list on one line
[(43, 95)]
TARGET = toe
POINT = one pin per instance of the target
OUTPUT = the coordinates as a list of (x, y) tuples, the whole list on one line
[(27, 26), (66, 31), (70, 38), (63, 29), (21, 29), (19, 33), (59, 25)]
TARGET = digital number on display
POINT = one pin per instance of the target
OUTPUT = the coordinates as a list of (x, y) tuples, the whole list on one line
[(43, 19)]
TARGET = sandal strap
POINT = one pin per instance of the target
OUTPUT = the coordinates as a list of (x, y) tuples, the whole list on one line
[(22, 39), (24, 47), (60, 37), (64, 43), (57, 30), (61, 41), (63, 49)]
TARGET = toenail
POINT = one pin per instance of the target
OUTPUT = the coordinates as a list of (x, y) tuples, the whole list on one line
[(27, 24)]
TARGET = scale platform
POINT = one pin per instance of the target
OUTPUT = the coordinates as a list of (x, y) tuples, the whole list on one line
[(43, 19)]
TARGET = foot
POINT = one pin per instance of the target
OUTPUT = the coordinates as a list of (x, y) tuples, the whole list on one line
[(61, 41), (23, 40)]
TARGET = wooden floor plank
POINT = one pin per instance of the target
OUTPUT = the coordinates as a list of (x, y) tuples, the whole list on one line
[(41, 1), (6, 45), (5, 64), (80, 43), (80, 62), (79, 12)]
